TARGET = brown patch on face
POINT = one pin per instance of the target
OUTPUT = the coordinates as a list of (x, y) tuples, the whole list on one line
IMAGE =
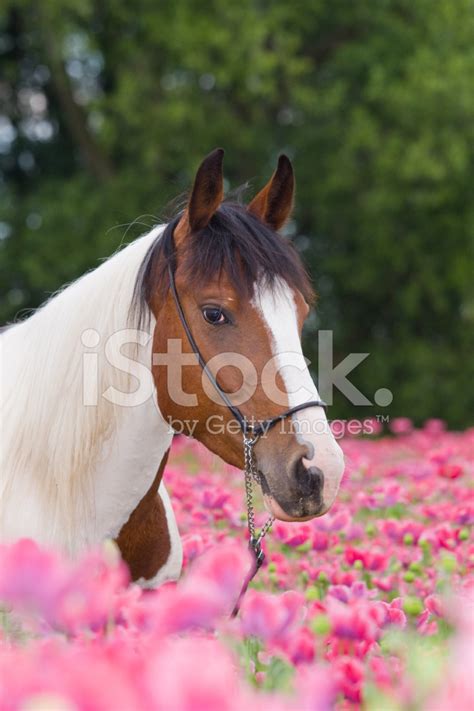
[(281, 452), (247, 336), (144, 540)]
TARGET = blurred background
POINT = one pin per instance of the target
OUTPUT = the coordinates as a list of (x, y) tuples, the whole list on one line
[(106, 109)]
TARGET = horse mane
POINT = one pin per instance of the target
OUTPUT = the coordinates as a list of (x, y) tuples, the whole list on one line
[(234, 244), (50, 440)]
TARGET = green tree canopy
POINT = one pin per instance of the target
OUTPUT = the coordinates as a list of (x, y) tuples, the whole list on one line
[(106, 109)]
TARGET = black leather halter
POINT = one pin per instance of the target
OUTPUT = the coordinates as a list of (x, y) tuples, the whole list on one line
[(250, 428)]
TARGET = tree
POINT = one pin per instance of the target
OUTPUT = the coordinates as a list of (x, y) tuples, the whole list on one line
[(106, 109)]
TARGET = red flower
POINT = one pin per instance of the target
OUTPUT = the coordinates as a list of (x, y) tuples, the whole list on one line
[(450, 471)]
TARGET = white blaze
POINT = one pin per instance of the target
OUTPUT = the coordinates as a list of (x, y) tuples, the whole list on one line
[(278, 310)]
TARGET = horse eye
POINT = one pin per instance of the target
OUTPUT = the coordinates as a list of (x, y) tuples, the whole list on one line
[(214, 315)]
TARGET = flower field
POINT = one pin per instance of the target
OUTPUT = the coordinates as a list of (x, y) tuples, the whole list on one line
[(370, 606)]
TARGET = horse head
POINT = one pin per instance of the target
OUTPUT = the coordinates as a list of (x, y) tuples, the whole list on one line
[(243, 299)]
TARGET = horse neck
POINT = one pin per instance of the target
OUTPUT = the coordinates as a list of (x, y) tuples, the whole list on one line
[(128, 467), (53, 444)]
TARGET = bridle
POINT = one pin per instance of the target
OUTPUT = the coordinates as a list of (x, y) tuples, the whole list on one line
[(252, 430)]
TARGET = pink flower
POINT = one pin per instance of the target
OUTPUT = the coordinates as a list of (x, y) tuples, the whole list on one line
[(384, 584), (82, 638), (225, 567), (340, 592), (178, 609), (316, 689), (213, 498), (371, 559), (356, 621), (293, 534), (393, 612), (92, 593), (68, 597), (396, 615), (339, 521), (456, 693), (296, 534), (450, 471), (382, 671), (270, 617), (441, 455), (446, 537), (349, 676), (434, 426), (434, 605), (320, 541), (194, 675), (301, 646), (209, 592), (193, 546), (59, 675), (425, 625), (401, 426), (33, 579)]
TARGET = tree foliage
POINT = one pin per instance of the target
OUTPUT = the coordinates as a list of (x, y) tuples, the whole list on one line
[(106, 108)]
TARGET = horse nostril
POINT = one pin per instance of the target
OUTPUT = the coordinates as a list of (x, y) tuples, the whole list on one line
[(309, 479)]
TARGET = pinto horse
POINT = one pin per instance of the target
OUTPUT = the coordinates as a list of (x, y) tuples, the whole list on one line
[(94, 382)]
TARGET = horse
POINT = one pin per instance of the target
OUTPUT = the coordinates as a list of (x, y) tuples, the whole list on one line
[(96, 381)]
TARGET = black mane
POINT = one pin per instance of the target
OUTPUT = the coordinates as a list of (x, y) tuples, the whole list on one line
[(235, 243)]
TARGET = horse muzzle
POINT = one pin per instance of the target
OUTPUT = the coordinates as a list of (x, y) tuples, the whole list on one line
[(296, 497), (304, 488)]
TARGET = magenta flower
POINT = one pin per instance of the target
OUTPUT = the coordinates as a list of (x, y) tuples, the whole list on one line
[(81, 637), (300, 646), (193, 546), (293, 534), (320, 541), (270, 617), (434, 426), (32, 579), (356, 621), (193, 675), (435, 605), (349, 675), (401, 426), (317, 690), (441, 455), (450, 471), (68, 597), (208, 594)]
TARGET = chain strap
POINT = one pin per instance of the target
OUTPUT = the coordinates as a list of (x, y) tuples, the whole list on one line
[(255, 543), (251, 475)]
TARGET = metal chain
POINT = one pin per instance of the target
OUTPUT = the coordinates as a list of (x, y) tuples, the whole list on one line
[(255, 543), (251, 475)]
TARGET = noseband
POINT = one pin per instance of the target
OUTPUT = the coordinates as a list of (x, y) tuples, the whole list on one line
[(252, 429)]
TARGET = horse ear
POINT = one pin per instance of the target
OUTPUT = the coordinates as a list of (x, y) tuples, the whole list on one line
[(273, 204), (208, 191)]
